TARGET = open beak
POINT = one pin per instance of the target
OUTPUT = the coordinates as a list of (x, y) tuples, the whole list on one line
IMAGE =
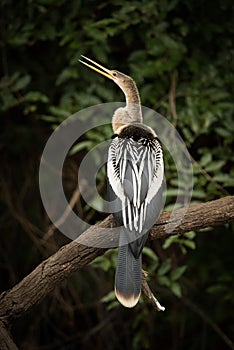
[(106, 72)]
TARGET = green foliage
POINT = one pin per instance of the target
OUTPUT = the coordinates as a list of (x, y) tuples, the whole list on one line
[(184, 242), (106, 261), (176, 51), (166, 276)]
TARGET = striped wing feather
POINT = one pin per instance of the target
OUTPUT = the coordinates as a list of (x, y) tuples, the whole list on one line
[(135, 173)]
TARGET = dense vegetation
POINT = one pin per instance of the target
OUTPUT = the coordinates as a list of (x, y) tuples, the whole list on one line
[(181, 55)]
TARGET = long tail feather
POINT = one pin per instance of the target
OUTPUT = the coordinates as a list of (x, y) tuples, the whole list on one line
[(128, 277)]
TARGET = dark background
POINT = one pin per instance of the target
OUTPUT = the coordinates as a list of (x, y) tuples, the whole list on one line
[(180, 53)]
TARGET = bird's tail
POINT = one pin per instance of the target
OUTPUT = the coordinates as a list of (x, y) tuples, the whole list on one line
[(128, 277)]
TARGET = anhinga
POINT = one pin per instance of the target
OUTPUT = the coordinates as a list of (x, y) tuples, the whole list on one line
[(135, 180)]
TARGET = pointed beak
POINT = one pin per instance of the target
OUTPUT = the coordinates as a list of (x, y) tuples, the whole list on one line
[(104, 71)]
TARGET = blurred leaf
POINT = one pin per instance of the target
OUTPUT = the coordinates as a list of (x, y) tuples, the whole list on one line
[(199, 194), (190, 235), (177, 272), (215, 165), (150, 253), (169, 240), (66, 74), (164, 281), (80, 146), (189, 244), (59, 112), (101, 262), (206, 159), (21, 83), (164, 267), (35, 96), (176, 289), (109, 297)]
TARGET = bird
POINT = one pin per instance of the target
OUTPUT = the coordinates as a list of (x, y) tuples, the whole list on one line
[(135, 172)]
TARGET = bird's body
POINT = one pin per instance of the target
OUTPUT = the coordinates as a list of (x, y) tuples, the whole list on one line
[(134, 172), (135, 178)]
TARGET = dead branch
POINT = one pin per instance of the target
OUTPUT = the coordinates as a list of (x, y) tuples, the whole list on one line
[(73, 256), (148, 293), (6, 342)]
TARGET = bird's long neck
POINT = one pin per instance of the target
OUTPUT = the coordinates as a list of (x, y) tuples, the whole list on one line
[(131, 93), (131, 113)]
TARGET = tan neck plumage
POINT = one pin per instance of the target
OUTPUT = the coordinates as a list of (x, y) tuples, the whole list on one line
[(131, 113)]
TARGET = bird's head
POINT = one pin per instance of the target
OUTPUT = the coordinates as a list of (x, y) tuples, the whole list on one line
[(122, 80), (131, 113)]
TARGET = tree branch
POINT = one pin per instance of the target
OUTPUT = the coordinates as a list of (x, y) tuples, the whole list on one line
[(73, 256), (6, 342), (148, 293)]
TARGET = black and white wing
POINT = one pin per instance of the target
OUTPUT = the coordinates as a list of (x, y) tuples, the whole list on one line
[(135, 173)]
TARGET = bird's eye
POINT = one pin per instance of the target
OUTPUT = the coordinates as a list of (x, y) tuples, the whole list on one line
[(114, 74)]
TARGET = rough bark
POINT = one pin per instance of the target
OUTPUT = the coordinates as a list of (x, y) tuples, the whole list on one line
[(68, 259), (6, 342), (213, 213)]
